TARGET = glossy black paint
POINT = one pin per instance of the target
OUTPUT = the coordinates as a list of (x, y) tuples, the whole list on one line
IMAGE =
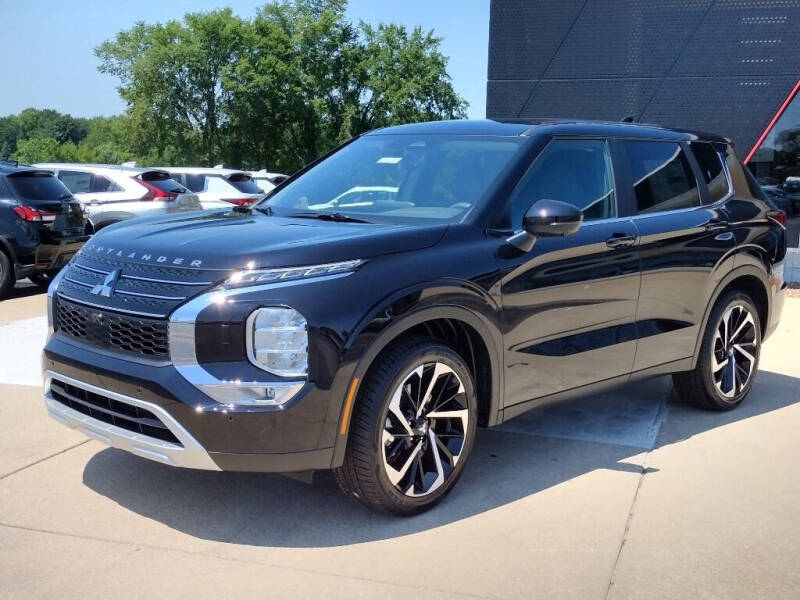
[(615, 299)]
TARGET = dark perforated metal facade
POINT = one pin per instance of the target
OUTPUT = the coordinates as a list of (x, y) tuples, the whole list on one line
[(717, 65)]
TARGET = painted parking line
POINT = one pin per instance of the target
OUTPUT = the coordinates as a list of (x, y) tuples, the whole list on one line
[(628, 416), (21, 344)]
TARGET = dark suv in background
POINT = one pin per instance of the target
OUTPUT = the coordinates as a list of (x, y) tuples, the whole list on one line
[(503, 266), (41, 225)]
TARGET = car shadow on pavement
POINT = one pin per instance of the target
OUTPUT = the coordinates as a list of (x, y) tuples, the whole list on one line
[(24, 290), (271, 510)]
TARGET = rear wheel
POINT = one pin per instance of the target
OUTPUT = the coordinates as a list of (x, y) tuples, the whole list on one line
[(412, 428), (728, 358), (7, 278)]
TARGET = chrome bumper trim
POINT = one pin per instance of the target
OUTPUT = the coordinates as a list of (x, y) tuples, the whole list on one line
[(192, 455)]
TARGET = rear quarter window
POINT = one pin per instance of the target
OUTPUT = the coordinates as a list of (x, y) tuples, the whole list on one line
[(710, 163)]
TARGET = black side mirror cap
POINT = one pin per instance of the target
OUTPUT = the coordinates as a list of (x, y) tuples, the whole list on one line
[(546, 218)]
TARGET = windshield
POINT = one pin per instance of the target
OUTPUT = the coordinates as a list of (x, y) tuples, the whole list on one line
[(38, 185), (400, 178)]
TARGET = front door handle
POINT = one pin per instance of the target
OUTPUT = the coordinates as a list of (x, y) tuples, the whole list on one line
[(620, 240)]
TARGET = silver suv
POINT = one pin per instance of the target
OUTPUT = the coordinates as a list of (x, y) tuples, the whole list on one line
[(112, 193)]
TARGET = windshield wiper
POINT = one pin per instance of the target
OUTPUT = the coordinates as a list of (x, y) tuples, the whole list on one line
[(323, 216), (65, 195)]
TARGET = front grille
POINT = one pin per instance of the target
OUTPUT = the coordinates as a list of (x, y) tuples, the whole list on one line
[(123, 415), (133, 335), (144, 290)]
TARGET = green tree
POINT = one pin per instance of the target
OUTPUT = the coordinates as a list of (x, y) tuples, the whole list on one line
[(171, 78), (38, 149), (276, 90)]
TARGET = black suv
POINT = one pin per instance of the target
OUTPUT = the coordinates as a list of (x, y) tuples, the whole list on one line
[(41, 225), (415, 283)]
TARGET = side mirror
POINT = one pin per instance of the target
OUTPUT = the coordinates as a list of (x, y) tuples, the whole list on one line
[(546, 218)]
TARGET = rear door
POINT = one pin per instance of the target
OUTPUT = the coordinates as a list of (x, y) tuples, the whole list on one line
[(685, 241), (96, 191), (569, 303)]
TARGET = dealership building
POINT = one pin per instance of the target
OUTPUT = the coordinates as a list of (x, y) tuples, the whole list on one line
[(726, 66)]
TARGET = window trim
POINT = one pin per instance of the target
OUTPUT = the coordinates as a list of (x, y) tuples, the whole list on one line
[(609, 140)]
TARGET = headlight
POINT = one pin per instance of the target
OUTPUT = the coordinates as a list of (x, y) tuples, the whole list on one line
[(255, 276), (277, 341)]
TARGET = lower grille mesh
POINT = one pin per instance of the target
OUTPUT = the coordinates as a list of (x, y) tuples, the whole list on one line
[(123, 415)]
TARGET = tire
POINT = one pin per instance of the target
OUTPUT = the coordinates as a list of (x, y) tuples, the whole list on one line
[(43, 278), (724, 374), (391, 459), (7, 278)]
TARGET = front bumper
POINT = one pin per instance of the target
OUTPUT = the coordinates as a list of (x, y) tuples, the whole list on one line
[(210, 435), (187, 453)]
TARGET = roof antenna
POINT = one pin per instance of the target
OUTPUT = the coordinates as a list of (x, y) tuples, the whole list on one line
[(629, 119)]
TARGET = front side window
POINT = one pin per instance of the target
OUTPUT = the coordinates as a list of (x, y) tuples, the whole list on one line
[(662, 176), (575, 171), (400, 178), (710, 163)]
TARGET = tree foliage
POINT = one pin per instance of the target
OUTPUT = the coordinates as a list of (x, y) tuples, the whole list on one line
[(276, 90)]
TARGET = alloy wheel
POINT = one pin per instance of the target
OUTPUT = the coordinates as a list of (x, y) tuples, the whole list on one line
[(425, 429), (734, 351)]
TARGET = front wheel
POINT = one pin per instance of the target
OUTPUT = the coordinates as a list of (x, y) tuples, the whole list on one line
[(412, 429), (728, 358)]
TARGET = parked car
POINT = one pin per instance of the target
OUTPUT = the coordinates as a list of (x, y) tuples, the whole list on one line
[(219, 185), (41, 225), (517, 264), (266, 180), (780, 199), (117, 193)]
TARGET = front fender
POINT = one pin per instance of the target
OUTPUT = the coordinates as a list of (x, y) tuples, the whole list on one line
[(443, 299)]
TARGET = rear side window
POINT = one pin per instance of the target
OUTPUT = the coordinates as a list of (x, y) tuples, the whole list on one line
[(244, 183), (82, 182), (575, 171), (710, 163), (38, 186), (662, 176)]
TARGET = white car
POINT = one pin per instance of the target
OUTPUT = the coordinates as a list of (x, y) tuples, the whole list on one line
[(111, 193), (267, 180), (217, 184)]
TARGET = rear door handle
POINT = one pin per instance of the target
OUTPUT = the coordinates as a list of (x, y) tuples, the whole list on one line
[(715, 224), (620, 240)]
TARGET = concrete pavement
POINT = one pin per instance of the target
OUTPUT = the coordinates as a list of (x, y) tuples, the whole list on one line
[(629, 494)]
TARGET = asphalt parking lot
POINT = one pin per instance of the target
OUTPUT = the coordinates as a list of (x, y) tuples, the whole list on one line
[(625, 495)]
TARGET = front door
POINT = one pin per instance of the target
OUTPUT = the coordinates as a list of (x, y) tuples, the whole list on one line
[(569, 303)]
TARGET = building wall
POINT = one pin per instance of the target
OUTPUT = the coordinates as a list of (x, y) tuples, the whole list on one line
[(723, 66)]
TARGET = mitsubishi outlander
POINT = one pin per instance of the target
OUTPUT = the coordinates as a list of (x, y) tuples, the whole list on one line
[(501, 266)]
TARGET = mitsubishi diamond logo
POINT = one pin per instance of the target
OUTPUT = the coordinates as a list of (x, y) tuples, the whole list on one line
[(107, 287)]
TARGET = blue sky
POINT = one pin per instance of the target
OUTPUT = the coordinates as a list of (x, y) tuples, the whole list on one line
[(48, 60)]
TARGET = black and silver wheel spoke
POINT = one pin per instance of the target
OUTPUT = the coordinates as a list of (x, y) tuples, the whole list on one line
[(734, 351), (425, 429)]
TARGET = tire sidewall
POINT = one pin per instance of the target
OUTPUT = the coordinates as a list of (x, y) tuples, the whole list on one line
[(424, 355)]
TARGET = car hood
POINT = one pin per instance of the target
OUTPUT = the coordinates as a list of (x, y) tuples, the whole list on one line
[(234, 240)]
